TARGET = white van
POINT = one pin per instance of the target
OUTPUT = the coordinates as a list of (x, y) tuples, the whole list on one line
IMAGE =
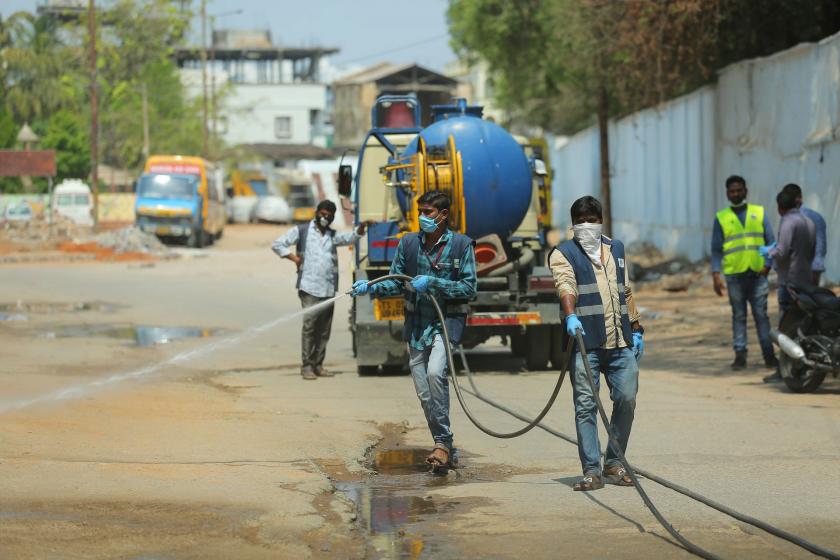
[(72, 199)]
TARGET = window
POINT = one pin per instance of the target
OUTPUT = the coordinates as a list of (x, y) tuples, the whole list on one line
[(283, 127)]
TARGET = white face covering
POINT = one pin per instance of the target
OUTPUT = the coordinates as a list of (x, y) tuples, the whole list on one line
[(589, 237)]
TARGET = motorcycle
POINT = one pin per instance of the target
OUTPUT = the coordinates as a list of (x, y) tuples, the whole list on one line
[(809, 338)]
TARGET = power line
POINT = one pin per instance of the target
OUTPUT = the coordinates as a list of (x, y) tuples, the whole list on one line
[(397, 49)]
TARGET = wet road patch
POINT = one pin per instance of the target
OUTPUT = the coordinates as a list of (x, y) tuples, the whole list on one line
[(142, 335)]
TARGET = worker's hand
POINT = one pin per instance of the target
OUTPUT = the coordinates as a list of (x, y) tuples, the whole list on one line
[(297, 259), (638, 345), (421, 283), (360, 287), (718, 283), (765, 250), (764, 271), (363, 226), (573, 324)]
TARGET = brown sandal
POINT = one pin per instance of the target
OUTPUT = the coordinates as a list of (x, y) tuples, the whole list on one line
[(617, 475), (436, 461), (588, 483)]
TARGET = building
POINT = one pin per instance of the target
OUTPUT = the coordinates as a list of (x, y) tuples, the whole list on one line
[(355, 95), (268, 95)]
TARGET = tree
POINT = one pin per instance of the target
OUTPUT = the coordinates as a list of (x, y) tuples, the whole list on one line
[(67, 134), (558, 64)]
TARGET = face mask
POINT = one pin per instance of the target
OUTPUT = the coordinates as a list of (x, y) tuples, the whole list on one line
[(429, 225), (738, 202), (324, 222), (589, 237)]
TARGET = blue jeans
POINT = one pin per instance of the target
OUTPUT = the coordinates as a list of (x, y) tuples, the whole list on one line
[(749, 287), (621, 371), (428, 369)]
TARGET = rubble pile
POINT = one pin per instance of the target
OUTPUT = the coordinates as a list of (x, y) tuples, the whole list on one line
[(131, 240), (649, 267), (38, 234)]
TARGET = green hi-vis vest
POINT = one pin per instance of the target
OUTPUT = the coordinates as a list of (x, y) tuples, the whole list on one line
[(741, 241)]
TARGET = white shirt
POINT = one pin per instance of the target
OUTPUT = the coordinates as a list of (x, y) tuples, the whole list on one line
[(319, 262)]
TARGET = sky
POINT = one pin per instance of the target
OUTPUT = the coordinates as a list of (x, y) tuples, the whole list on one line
[(366, 31)]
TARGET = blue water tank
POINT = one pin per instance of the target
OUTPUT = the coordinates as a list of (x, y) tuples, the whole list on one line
[(497, 177)]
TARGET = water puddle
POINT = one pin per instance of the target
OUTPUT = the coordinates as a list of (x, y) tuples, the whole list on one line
[(395, 507), (49, 307), (141, 335), (13, 317)]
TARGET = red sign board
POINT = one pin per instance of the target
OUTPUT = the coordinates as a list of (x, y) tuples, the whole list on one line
[(175, 169), (16, 163)]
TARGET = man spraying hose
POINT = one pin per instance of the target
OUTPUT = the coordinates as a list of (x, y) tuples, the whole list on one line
[(442, 264), (590, 273)]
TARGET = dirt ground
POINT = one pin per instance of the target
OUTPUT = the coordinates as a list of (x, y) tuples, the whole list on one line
[(113, 449)]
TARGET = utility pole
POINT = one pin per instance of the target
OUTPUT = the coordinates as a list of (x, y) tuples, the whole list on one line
[(145, 123), (213, 137), (94, 114), (604, 145), (205, 131)]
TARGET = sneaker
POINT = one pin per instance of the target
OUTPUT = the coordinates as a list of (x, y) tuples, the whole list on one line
[(774, 377), (771, 362), (321, 372), (740, 361), (307, 373)]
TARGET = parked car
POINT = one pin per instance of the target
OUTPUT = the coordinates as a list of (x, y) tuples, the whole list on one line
[(72, 199), (273, 209)]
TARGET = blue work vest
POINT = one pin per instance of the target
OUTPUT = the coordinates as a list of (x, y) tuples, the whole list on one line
[(454, 310), (589, 307)]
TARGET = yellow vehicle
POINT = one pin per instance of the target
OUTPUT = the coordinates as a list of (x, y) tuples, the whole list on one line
[(181, 196), (248, 183), (296, 188)]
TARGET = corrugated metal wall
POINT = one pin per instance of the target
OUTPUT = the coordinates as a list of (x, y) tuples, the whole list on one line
[(773, 120)]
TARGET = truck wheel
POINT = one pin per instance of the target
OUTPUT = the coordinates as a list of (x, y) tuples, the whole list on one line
[(559, 358), (537, 347), (368, 370), (517, 344), (197, 239)]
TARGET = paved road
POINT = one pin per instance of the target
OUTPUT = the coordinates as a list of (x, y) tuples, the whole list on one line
[(233, 455)]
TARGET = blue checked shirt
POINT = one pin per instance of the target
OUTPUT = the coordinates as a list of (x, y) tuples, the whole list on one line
[(441, 287)]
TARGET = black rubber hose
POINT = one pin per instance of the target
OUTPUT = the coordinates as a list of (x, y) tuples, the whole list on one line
[(531, 424), (811, 547), (775, 531), (688, 545)]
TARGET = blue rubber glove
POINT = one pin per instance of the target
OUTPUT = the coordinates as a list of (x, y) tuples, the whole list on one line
[(573, 324), (638, 345), (360, 287), (765, 250), (421, 283)]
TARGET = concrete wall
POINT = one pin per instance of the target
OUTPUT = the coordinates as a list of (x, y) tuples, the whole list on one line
[(773, 120)]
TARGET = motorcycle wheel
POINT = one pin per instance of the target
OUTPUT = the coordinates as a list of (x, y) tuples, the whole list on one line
[(798, 377)]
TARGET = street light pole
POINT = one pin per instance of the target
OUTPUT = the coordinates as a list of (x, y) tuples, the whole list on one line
[(204, 129), (94, 114)]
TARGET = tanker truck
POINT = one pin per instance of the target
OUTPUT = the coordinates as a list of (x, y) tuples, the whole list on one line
[(499, 187)]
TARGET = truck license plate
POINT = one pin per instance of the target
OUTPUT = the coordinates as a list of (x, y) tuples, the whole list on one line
[(388, 309), (163, 230)]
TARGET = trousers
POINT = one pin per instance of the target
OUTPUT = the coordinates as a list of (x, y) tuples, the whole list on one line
[(315, 333)]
